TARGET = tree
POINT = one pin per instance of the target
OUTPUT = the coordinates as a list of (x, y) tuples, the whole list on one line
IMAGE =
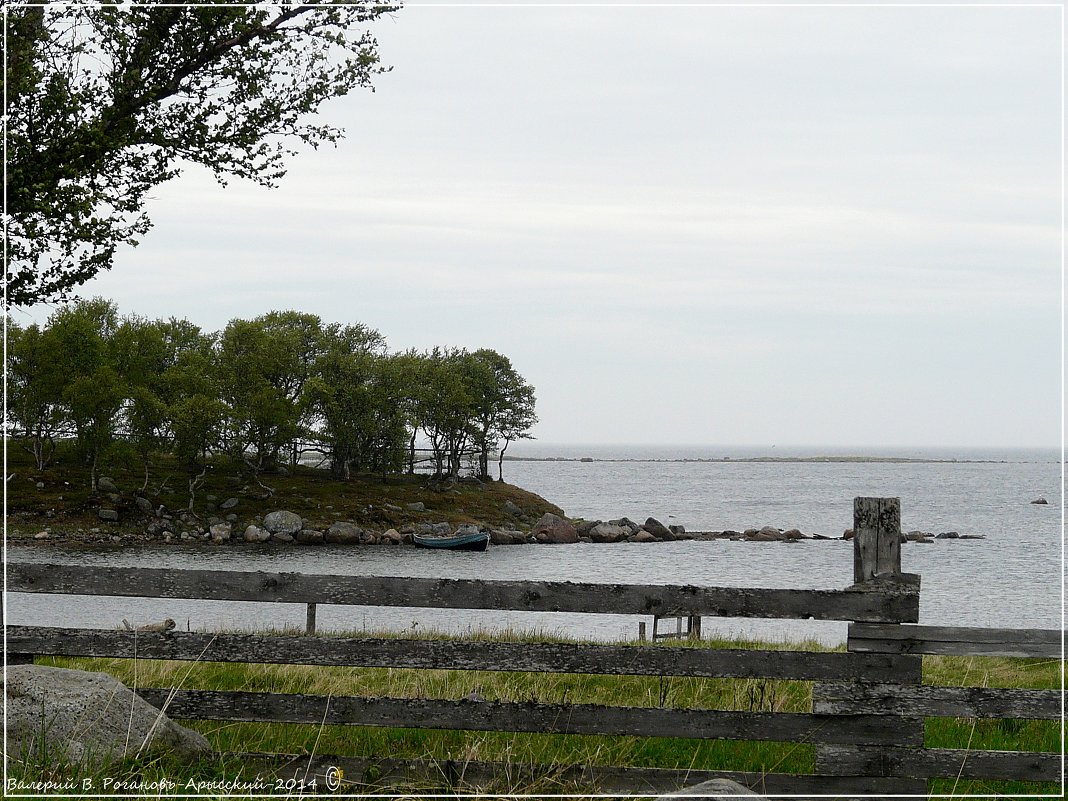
[(503, 405), (106, 102), (36, 382)]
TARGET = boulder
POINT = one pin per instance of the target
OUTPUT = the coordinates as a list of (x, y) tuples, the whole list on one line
[(626, 523), (793, 534), (584, 527), (220, 532), (418, 506), (554, 530), (1040, 501), (714, 790), (344, 533), (309, 536), (848, 534), (678, 532), (107, 514), (466, 529), (606, 532), (502, 537), (433, 529), (105, 484), (257, 534), (948, 535), (229, 503), (89, 717), (144, 505), (281, 536), (657, 529), (643, 536), (392, 537), (283, 521), (766, 534), (512, 509)]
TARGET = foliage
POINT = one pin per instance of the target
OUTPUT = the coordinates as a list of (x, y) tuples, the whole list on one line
[(263, 391), (107, 101)]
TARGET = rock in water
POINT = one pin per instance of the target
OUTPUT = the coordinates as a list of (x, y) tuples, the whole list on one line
[(658, 529), (1040, 501), (554, 529), (90, 717)]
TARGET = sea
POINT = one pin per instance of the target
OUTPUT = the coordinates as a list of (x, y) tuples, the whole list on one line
[(1011, 577)]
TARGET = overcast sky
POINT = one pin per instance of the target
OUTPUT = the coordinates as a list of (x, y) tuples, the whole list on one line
[(768, 226)]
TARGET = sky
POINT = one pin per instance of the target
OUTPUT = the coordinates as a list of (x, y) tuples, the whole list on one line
[(835, 226)]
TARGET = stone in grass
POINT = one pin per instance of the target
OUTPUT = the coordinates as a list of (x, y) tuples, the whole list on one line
[(714, 790), (220, 532), (105, 484), (87, 718), (107, 514)]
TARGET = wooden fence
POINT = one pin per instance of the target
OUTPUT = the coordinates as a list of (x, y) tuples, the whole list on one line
[(866, 723)]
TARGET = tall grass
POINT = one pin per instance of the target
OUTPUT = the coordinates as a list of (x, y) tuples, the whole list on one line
[(762, 695)]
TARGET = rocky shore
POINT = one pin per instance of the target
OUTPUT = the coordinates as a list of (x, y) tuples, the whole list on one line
[(128, 517)]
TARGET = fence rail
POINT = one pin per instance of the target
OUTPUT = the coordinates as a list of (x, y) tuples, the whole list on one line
[(868, 703)]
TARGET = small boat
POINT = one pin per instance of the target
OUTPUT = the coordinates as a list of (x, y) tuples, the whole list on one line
[(475, 541)]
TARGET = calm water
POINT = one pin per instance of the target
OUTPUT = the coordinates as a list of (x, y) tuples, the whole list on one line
[(1012, 578)]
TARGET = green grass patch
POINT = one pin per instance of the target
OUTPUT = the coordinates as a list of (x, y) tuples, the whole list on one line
[(762, 695)]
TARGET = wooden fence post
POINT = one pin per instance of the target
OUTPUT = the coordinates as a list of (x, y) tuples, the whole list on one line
[(877, 568), (309, 629)]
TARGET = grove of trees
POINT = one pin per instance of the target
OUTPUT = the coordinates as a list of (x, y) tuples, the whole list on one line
[(262, 392)]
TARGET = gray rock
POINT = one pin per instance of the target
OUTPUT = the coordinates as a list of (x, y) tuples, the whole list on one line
[(40, 485), (344, 533), (392, 537), (257, 534), (948, 535), (220, 532), (584, 527), (433, 529), (229, 503), (793, 534), (283, 521), (309, 536), (281, 536), (715, 790), (89, 717), (512, 509), (677, 531), (107, 514), (503, 537), (626, 523), (466, 529), (105, 484), (1040, 501), (766, 534), (554, 530), (418, 506), (643, 536), (144, 505), (606, 532), (657, 529)]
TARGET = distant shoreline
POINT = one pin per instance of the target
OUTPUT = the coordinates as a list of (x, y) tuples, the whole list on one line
[(784, 459)]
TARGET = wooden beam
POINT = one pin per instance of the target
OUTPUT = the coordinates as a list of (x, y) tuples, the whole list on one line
[(538, 596), (640, 660), (955, 641), (954, 702), (533, 717), (940, 762), (876, 538)]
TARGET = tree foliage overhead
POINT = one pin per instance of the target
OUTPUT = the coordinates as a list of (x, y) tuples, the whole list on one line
[(106, 102)]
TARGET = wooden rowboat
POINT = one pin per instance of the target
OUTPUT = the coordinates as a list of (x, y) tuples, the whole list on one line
[(478, 541)]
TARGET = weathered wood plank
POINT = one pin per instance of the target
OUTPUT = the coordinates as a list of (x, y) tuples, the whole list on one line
[(387, 773), (876, 537), (954, 641), (955, 702), (538, 596), (533, 717), (648, 660), (939, 763)]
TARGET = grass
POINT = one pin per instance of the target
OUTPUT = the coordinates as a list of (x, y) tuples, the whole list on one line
[(556, 750)]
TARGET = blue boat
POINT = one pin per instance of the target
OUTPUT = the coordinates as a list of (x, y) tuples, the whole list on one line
[(454, 542)]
